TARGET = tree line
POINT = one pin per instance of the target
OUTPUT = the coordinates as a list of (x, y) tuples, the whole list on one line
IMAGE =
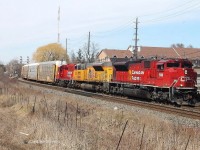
[(181, 45)]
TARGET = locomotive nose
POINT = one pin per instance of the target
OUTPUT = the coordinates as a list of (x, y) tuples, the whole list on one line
[(189, 77)]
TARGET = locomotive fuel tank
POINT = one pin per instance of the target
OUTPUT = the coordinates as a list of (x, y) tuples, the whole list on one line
[(137, 93), (90, 87)]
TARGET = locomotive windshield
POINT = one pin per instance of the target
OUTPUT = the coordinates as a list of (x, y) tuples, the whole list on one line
[(79, 67), (173, 65), (186, 65), (160, 66)]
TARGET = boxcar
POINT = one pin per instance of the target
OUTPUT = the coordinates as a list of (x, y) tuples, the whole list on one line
[(47, 71), (24, 72), (33, 71)]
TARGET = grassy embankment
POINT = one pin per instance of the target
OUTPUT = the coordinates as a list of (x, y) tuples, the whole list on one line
[(32, 119)]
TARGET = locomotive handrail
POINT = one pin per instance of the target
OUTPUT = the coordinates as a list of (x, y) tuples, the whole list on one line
[(171, 88), (173, 83), (195, 82)]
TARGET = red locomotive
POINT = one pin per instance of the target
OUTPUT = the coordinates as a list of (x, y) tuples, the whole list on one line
[(65, 74), (170, 80)]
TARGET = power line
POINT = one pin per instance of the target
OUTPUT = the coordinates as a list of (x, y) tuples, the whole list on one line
[(58, 21), (174, 14), (167, 10), (114, 30), (168, 16), (180, 10)]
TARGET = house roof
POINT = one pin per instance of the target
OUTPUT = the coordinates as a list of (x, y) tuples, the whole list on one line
[(118, 53), (169, 52)]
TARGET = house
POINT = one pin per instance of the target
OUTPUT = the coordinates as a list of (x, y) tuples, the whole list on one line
[(106, 54), (192, 54), (168, 52)]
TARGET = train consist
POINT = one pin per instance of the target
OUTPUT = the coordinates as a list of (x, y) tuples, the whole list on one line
[(165, 80)]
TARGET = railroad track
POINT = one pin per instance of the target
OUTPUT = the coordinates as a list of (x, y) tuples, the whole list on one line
[(188, 112)]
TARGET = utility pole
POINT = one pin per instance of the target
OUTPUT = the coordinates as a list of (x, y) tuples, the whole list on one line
[(136, 39), (58, 21), (88, 52), (66, 45)]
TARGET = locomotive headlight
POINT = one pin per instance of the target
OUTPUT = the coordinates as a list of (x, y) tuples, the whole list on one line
[(186, 72)]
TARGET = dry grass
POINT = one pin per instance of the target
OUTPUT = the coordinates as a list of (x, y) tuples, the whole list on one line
[(31, 119)]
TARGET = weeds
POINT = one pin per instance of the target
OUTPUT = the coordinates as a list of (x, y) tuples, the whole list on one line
[(55, 122)]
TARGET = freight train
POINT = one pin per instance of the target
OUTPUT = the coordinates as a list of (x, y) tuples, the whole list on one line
[(162, 80)]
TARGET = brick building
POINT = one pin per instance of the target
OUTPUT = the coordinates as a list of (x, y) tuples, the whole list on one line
[(106, 54)]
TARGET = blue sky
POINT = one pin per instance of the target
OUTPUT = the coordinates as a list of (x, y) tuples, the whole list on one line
[(26, 25)]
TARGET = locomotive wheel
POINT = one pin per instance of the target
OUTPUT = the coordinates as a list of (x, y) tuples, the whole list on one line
[(106, 90), (192, 102), (177, 102)]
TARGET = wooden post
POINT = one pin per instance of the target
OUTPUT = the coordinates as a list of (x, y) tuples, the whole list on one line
[(121, 135), (0, 91), (33, 110), (142, 137), (76, 114), (187, 142), (66, 114), (46, 105)]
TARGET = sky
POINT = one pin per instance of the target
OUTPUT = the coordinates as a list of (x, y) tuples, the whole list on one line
[(27, 24)]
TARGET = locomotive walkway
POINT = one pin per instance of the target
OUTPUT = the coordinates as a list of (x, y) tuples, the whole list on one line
[(184, 111)]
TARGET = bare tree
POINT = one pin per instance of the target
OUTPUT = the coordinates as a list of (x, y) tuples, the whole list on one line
[(86, 54), (2, 69), (73, 58), (90, 52), (190, 46), (178, 45), (181, 45), (13, 68), (80, 57)]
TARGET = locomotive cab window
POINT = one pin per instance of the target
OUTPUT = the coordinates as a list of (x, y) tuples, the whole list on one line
[(160, 67), (77, 67), (173, 65), (147, 64), (121, 68), (98, 68)]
